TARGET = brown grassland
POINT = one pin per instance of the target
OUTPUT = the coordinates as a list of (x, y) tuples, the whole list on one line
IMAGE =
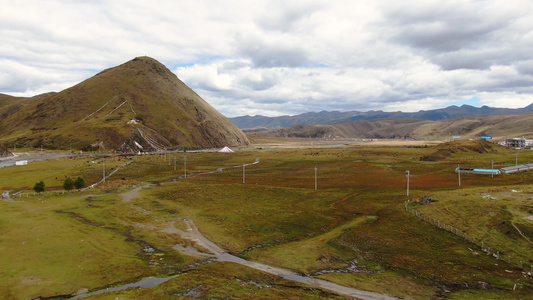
[(353, 230)]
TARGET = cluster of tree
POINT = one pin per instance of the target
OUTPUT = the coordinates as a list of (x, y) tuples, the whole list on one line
[(68, 185)]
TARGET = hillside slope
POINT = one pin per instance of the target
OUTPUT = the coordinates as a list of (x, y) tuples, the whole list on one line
[(500, 127), (98, 112), (4, 152), (9, 104), (381, 128)]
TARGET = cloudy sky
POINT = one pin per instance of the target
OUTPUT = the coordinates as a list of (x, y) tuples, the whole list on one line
[(283, 57)]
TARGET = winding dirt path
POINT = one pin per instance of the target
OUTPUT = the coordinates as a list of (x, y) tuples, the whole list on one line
[(131, 194), (192, 233), (203, 244)]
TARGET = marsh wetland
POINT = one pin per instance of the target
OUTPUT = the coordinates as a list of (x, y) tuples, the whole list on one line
[(352, 231)]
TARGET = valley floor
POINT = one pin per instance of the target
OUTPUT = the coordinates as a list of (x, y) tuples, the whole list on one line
[(308, 223)]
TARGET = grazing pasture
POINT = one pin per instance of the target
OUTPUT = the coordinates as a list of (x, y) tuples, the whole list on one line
[(353, 229)]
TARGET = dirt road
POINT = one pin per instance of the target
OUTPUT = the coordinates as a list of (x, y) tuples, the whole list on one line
[(203, 247), (192, 233)]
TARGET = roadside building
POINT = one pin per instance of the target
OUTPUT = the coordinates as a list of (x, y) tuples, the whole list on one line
[(514, 169), (515, 143), (478, 171)]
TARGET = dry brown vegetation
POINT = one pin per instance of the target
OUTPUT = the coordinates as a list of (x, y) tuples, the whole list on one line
[(354, 230)]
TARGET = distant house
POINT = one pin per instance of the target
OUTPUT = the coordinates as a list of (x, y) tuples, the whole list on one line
[(133, 121), (515, 143)]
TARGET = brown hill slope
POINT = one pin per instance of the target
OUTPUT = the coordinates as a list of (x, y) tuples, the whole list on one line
[(9, 104), (380, 128), (97, 112), (445, 150), (500, 127), (4, 152)]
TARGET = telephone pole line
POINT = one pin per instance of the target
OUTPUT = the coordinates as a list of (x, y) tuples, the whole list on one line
[(316, 187), (408, 175)]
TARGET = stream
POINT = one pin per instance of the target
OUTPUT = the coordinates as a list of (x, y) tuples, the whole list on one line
[(148, 282), (192, 233), (218, 254)]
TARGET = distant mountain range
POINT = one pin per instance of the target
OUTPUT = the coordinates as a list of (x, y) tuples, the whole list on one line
[(140, 104), (498, 126), (325, 117)]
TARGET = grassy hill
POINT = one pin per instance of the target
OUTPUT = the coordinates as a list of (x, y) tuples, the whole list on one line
[(10, 104), (4, 151), (97, 113), (501, 127)]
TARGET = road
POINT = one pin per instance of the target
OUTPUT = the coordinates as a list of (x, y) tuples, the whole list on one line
[(203, 247), (192, 233), (10, 160)]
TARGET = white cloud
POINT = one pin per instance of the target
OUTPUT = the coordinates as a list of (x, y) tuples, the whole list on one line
[(505, 99), (282, 57)]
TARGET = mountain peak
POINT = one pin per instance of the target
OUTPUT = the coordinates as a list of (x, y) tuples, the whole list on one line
[(99, 110), (149, 62)]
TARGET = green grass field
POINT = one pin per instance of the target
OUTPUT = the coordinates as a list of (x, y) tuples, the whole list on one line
[(352, 230)]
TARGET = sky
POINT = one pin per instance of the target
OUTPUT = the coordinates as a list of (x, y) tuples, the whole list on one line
[(284, 57)]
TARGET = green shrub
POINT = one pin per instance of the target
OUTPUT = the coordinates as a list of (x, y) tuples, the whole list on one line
[(79, 183), (39, 187), (68, 184)]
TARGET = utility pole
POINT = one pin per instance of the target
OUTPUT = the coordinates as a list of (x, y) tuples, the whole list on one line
[(315, 180), (492, 169), (174, 162), (103, 168), (517, 158), (243, 173), (408, 175), (185, 164), (459, 171)]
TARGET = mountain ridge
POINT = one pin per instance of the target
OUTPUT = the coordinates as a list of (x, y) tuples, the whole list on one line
[(332, 117)]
